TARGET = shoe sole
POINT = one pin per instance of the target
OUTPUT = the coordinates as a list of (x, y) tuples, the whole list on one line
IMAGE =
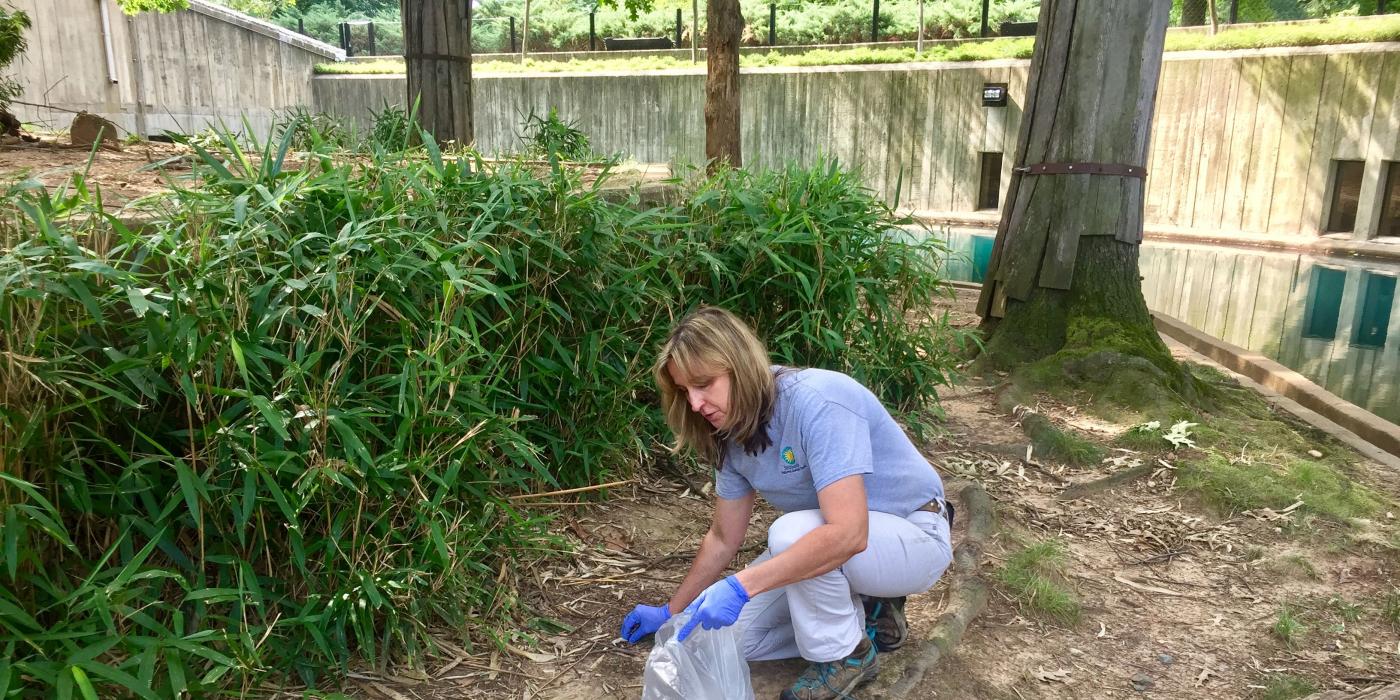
[(865, 677)]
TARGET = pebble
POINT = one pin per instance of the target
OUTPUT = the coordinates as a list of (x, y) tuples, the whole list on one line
[(1166, 659), (1141, 682), (1314, 454)]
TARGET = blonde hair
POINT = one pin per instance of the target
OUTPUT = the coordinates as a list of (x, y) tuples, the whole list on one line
[(707, 343)]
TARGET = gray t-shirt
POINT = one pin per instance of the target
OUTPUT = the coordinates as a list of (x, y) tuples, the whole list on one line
[(826, 426)]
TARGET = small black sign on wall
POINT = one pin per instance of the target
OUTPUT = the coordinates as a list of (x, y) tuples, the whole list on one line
[(994, 95)]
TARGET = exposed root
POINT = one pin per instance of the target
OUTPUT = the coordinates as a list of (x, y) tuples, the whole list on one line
[(969, 591)]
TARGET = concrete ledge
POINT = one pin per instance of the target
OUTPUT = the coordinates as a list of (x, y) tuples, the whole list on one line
[(265, 28), (1385, 250), (1288, 383)]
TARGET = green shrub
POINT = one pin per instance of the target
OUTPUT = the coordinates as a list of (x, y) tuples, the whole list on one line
[(13, 24), (551, 137), (275, 427)]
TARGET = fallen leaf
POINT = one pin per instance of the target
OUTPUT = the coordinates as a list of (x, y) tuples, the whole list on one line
[(1204, 674), (1061, 675)]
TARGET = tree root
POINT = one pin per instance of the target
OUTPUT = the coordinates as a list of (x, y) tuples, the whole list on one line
[(969, 591), (1090, 488), (1046, 438)]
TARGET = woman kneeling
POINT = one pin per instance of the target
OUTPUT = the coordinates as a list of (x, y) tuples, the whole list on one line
[(865, 522)]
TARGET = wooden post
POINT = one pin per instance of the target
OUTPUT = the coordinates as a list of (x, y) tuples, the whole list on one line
[(678, 27), (722, 140), (525, 34), (512, 34), (772, 24), (1235, 11), (875, 23), (986, 12), (437, 38), (919, 45), (592, 31), (372, 49)]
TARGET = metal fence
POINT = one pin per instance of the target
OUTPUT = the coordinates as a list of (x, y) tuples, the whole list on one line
[(766, 25)]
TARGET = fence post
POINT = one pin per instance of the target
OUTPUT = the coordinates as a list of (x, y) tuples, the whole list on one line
[(592, 32), (512, 35), (875, 23), (372, 51), (678, 27), (1235, 11), (986, 10), (345, 39), (301, 26), (772, 24)]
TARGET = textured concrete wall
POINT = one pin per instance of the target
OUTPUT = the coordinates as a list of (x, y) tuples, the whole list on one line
[(180, 71), (917, 129), (1243, 141)]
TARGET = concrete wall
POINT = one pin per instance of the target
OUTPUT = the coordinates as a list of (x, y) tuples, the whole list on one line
[(1243, 141), (180, 71)]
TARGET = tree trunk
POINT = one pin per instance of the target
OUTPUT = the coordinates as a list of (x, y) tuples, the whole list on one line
[(1064, 269), (724, 26), (437, 38)]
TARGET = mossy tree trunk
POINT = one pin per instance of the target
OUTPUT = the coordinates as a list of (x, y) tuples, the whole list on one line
[(725, 24), (1063, 279), (437, 40)]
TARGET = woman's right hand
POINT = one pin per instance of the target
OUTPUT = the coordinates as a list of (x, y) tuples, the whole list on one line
[(644, 620)]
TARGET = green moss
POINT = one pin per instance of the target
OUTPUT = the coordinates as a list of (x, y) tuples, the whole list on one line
[(1324, 489)]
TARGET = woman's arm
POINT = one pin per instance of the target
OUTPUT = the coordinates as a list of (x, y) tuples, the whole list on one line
[(847, 516), (721, 543)]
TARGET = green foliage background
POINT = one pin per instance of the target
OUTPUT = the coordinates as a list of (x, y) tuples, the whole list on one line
[(273, 428)]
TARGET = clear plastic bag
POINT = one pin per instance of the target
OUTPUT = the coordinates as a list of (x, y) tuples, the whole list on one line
[(708, 666)]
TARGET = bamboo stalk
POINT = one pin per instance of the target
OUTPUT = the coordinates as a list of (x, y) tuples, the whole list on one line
[(565, 492)]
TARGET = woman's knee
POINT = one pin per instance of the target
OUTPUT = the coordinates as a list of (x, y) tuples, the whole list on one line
[(788, 529)]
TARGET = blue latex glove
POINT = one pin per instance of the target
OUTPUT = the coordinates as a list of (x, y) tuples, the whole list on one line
[(644, 620), (718, 606)]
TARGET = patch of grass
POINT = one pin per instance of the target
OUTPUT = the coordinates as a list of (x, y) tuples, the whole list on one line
[(1282, 686), (1058, 444), (1295, 565), (1288, 628), (1337, 31), (1349, 612), (1323, 488), (1390, 607), (1141, 440), (1034, 577)]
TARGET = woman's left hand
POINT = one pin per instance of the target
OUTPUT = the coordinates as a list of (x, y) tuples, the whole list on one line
[(717, 607)]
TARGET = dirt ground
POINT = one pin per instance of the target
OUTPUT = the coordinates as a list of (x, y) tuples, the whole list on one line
[(134, 171), (1178, 601)]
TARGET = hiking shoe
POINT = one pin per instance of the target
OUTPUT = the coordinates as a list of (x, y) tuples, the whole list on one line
[(885, 623), (836, 680)]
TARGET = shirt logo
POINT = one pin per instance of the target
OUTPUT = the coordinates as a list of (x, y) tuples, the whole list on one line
[(790, 464)]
